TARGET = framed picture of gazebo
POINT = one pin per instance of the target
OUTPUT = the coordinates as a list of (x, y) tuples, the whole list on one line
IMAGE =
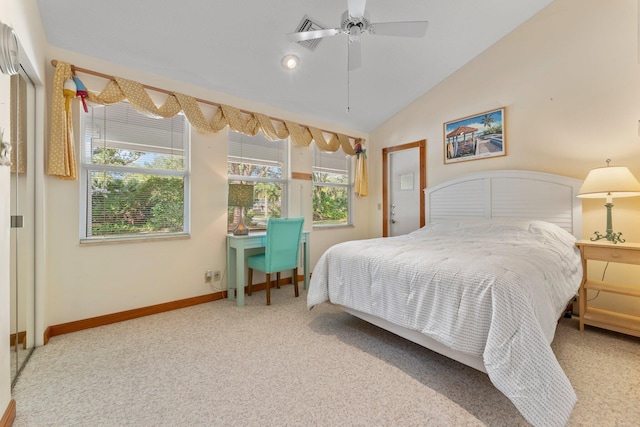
[(480, 136)]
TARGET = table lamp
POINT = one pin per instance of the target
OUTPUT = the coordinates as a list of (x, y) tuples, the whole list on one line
[(608, 182), (241, 195)]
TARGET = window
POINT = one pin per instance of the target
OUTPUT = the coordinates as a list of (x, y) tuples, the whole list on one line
[(134, 174), (256, 160), (331, 188)]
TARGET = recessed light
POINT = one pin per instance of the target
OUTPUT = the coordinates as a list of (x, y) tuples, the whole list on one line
[(290, 62)]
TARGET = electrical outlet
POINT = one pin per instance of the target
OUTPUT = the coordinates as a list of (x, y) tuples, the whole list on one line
[(216, 276), (207, 276)]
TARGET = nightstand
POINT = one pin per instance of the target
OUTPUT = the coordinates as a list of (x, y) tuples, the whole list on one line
[(626, 253)]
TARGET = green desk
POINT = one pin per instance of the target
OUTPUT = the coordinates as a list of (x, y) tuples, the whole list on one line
[(237, 260)]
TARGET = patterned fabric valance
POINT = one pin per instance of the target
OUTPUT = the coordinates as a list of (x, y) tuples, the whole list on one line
[(62, 161)]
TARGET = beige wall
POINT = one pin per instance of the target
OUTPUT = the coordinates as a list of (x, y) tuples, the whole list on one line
[(569, 79), (85, 281)]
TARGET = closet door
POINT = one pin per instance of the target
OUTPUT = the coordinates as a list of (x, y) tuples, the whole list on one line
[(22, 207)]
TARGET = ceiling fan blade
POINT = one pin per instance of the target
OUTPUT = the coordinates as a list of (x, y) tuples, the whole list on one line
[(355, 54), (404, 29), (356, 8), (316, 34)]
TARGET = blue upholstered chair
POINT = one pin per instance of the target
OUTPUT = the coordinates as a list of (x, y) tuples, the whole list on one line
[(281, 252)]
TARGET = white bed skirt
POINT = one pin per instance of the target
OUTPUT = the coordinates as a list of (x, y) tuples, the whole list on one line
[(420, 339)]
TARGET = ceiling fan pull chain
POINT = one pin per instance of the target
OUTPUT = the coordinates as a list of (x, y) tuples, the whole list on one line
[(348, 77), (348, 91)]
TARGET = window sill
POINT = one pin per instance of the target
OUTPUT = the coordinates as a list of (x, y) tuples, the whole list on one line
[(133, 239), (331, 226)]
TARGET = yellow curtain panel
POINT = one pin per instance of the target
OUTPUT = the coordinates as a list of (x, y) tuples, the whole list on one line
[(62, 161)]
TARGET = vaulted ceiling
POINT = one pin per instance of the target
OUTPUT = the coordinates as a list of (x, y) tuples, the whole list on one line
[(236, 47)]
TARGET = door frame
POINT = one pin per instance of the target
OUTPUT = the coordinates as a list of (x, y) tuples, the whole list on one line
[(422, 145)]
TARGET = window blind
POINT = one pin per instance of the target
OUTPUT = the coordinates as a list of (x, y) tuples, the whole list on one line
[(135, 173), (121, 127), (256, 149), (330, 161)]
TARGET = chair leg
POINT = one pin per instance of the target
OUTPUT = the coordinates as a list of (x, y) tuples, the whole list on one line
[(278, 280), (295, 281), (250, 282), (268, 289)]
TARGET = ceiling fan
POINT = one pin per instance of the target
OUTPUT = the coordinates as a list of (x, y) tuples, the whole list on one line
[(355, 22)]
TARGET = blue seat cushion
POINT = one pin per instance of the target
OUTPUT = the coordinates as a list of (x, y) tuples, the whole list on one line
[(257, 262)]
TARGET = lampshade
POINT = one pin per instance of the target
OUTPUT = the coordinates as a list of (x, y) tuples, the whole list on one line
[(616, 181), (241, 195)]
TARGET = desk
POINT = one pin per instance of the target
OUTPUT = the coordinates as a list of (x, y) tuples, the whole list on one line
[(236, 260)]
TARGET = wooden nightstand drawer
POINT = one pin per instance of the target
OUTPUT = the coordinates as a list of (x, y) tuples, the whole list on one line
[(625, 255)]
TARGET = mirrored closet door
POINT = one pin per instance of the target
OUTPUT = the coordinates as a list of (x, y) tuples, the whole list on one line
[(22, 303)]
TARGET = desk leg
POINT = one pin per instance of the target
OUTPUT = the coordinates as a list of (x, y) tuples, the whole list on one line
[(240, 278), (307, 250), (232, 253)]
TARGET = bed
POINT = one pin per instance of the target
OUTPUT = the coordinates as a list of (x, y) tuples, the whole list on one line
[(484, 282)]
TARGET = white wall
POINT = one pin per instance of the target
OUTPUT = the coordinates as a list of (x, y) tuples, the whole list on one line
[(569, 79)]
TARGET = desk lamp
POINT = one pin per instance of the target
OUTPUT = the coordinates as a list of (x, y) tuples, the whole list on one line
[(241, 195), (608, 182)]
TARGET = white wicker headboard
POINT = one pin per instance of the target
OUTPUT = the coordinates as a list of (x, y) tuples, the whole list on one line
[(508, 194)]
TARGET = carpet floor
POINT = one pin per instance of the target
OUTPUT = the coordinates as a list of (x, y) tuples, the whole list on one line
[(219, 365)]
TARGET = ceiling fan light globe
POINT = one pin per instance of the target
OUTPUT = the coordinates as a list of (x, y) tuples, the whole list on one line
[(354, 34)]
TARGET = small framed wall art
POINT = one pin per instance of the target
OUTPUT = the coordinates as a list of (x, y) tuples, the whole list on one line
[(480, 136)]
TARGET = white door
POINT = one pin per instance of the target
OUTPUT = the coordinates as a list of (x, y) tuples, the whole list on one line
[(404, 191)]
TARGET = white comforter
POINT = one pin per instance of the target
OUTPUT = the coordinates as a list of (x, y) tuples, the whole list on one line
[(489, 289)]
